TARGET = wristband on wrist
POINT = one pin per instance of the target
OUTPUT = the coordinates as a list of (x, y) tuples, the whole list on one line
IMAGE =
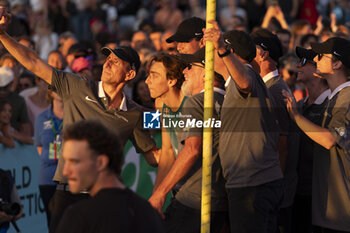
[(226, 53)]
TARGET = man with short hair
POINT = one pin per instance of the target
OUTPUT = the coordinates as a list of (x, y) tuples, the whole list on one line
[(189, 39), (248, 138), (84, 99), (268, 52), (331, 168), (185, 207), (94, 162), (164, 82)]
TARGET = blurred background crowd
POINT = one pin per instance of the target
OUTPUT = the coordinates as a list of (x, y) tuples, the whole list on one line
[(69, 34)]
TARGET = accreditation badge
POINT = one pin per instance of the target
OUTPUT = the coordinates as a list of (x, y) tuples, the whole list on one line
[(55, 149)]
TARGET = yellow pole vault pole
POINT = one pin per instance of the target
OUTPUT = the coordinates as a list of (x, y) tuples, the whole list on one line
[(207, 132)]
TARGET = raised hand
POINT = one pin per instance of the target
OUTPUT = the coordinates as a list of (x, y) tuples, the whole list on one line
[(214, 35), (5, 19), (291, 103)]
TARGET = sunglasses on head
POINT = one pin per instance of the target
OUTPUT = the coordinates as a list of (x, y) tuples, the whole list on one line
[(189, 66), (303, 62)]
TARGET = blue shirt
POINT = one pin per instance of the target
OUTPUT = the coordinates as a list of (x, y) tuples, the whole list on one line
[(43, 136)]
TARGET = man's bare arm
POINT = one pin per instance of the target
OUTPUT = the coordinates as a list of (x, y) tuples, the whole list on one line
[(27, 57), (183, 163), (166, 160), (152, 156), (317, 133), (234, 66)]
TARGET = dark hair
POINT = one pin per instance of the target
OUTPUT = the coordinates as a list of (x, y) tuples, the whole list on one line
[(100, 139), (288, 58), (306, 38), (29, 75), (344, 68), (284, 31), (174, 67), (3, 102)]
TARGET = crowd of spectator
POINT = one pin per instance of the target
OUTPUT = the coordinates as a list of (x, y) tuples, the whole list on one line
[(69, 35)]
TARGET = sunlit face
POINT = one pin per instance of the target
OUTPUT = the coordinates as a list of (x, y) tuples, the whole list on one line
[(305, 70), (114, 70), (55, 60), (80, 165), (193, 79), (188, 47), (65, 44), (156, 40), (324, 64), (157, 81), (5, 114)]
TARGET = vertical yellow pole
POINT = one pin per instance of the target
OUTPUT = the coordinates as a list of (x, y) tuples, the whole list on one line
[(207, 132)]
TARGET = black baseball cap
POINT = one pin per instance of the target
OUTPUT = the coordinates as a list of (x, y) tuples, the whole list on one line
[(241, 43), (308, 54), (197, 57), (336, 46), (188, 29), (269, 42), (125, 53)]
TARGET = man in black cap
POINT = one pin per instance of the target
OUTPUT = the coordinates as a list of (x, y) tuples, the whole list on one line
[(188, 36), (189, 39), (330, 186), (83, 100), (186, 171), (248, 138), (268, 51), (312, 108)]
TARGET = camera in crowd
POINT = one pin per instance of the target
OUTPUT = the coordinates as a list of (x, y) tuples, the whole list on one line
[(10, 208)]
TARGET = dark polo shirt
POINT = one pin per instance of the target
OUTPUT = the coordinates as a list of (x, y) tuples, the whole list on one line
[(86, 100), (275, 84), (191, 191), (313, 113), (331, 170), (248, 136)]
